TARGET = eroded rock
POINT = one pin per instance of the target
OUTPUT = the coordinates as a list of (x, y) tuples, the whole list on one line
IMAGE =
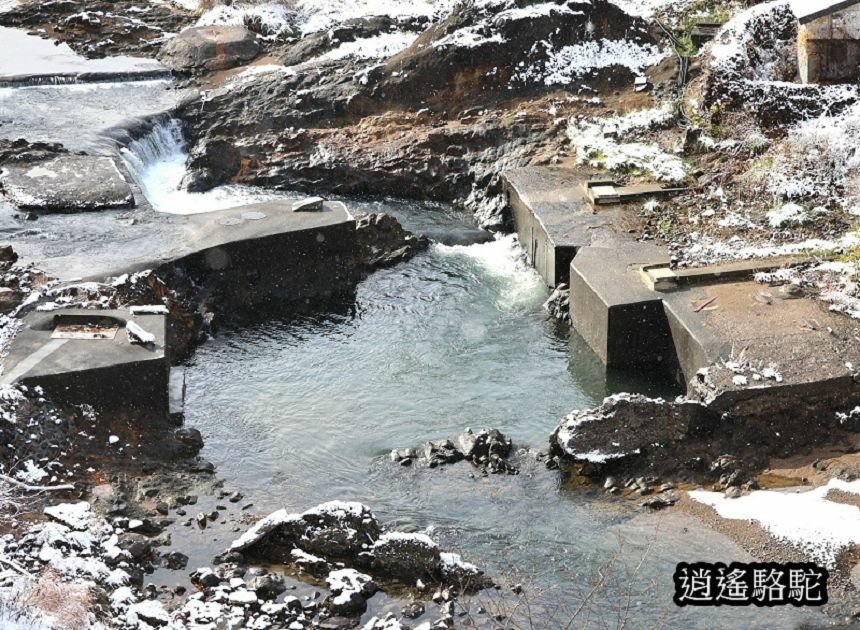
[(208, 48)]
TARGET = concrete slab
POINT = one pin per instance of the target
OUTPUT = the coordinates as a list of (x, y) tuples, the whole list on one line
[(107, 369), (553, 218), (746, 323), (69, 183), (36, 59), (267, 252)]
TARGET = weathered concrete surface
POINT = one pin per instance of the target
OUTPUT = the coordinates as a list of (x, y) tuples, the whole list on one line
[(266, 252), (111, 372), (553, 217), (209, 48), (68, 183), (769, 340), (36, 58), (611, 307)]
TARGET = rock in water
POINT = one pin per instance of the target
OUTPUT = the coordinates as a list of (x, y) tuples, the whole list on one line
[(207, 48), (405, 556)]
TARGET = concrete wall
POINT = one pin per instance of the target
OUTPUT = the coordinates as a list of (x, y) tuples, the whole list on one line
[(828, 49), (551, 261)]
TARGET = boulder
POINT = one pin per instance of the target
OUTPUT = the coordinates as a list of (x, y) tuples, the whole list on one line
[(208, 48), (628, 426), (405, 556), (350, 590), (438, 452), (337, 529), (486, 443)]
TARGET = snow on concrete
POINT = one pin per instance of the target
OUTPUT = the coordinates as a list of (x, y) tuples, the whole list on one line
[(136, 334), (807, 10), (820, 528)]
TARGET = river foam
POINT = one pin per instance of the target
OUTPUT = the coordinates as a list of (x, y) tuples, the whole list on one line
[(157, 163)]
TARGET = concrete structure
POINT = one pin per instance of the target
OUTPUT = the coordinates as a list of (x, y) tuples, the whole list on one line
[(607, 192), (557, 212), (266, 252), (614, 311), (742, 347), (87, 357), (69, 183), (553, 217), (828, 40)]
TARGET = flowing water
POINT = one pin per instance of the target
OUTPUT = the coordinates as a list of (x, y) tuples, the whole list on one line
[(302, 408)]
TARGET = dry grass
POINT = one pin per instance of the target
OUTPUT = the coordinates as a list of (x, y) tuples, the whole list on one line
[(68, 604)]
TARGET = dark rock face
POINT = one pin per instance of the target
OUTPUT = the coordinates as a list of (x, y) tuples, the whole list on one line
[(427, 124), (724, 439), (488, 450), (482, 49), (208, 48), (316, 44), (105, 27), (760, 78), (405, 555), (18, 151)]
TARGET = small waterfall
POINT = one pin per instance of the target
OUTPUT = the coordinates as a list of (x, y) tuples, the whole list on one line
[(157, 159)]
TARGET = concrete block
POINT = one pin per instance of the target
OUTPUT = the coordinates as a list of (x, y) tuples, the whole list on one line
[(86, 357), (68, 183), (553, 218), (611, 308)]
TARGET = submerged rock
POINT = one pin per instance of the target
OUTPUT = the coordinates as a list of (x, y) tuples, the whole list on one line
[(382, 242)]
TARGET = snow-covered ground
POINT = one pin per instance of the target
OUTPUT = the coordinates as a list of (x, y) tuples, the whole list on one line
[(616, 143), (806, 519), (311, 16)]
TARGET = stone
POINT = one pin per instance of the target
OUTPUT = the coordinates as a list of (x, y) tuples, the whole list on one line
[(267, 586), (68, 183), (399, 455), (413, 610), (175, 560), (349, 592), (405, 556), (438, 452), (208, 48)]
